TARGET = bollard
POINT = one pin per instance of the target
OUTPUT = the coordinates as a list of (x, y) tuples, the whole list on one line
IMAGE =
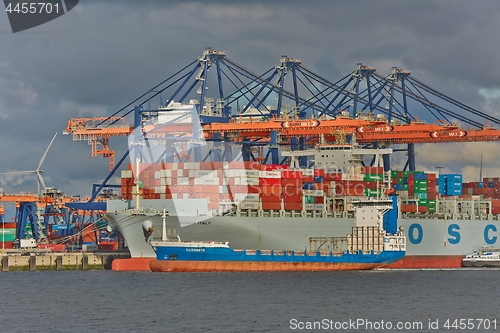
[(85, 262), (32, 263), (5, 264), (59, 260)]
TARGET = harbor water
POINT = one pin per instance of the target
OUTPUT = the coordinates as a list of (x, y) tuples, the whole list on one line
[(356, 301)]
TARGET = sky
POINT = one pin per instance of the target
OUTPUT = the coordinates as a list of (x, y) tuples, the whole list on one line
[(103, 54)]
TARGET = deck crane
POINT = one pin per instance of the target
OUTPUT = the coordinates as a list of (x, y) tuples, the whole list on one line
[(390, 107)]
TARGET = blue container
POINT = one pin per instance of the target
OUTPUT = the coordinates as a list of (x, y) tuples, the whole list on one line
[(455, 176), (442, 178), (420, 176), (308, 186), (442, 191), (405, 180), (491, 185), (480, 185), (398, 187), (318, 179), (454, 192)]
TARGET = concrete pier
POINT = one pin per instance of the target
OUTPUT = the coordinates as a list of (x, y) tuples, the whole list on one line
[(11, 262)]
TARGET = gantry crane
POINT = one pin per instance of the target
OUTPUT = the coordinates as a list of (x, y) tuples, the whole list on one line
[(291, 105)]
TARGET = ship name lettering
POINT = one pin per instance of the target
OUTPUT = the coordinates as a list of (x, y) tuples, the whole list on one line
[(487, 238), (452, 231), (195, 250)]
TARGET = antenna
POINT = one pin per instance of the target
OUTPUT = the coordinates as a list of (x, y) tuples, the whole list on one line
[(439, 168)]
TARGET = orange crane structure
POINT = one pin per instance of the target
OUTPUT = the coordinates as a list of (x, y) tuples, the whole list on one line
[(291, 105)]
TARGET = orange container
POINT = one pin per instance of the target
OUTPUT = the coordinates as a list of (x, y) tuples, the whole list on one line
[(270, 197), (293, 205), (271, 205), (292, 198)]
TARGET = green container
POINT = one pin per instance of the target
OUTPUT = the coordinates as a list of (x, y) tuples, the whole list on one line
[(7, 234), (406, 173), (405, 187), (372, 192), (420, 190), (373, 177), (309, 199), (422, 202), (394, 173), (400, 180), (431, 209), (421, 182), (431, 202)]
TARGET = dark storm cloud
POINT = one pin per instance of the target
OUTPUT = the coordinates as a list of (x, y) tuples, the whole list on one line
[(102, 55)]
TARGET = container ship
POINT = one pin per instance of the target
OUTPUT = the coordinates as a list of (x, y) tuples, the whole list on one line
[(373, 243), (269, 207)]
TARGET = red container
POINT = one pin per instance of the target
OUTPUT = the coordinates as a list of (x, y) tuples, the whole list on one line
[(411, 176), (319, 172), (422, 209), (408, 208), (308, 179), (269, 182), (291, 198), (272, 167), (319, 200), (276, 190), (370, 184), (356, 191), (431, 176), (293, 205), (431, 196), (291, 174), (270, 197), (291, 190), (372, 170), (291, 182), (333, 176), (8, 225), (271, 205), (7, 245)]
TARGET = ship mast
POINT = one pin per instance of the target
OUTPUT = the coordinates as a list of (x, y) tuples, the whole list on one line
[(137, 181)]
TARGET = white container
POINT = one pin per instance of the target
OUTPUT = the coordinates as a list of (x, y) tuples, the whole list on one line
[(124, 173), (157, 174), (250, 173), (183, 180), (163, 181), (307, 172), (249, 205), (308, 206), (270, 174), (25, 243), (204, 173), (319, 206), (90, 247), (249, 181), (319, 193), (163, 173), (206, 181), (168, 173), (252, 197), (180, 173)]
